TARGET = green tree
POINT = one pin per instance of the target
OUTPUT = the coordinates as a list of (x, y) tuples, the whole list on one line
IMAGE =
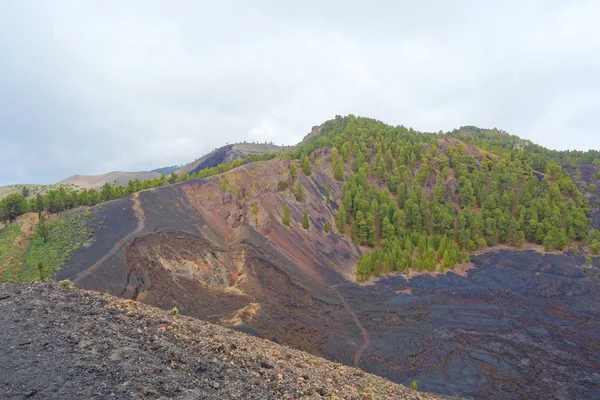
[(107, 192), (305, 220), (14, 205), (41, 272), (298, 192), (286, 219), (340, 219), (293, 170), (306, 167), (42, 229), (338, 169), (363, 268), (595, 247), (326, 227), (387, 229)]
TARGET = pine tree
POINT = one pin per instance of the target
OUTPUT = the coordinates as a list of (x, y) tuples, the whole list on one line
[(298, 192), (42, 229), (340, 219), (40, 268), (305, 221), (326, 227), (338, 169), (286, 219), (306, 167)]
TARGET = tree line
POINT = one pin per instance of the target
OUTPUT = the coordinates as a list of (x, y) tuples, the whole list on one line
[(65, 198)]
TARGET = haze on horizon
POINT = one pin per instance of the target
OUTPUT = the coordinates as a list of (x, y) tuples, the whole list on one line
[(91, 87)]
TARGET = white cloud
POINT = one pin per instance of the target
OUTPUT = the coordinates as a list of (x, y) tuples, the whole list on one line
[(131, 85)]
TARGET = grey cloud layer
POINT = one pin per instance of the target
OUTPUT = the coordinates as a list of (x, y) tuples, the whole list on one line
[(89, 87)]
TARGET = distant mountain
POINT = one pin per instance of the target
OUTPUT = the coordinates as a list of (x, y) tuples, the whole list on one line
[(115, 177), (229, 153), (76, 182)]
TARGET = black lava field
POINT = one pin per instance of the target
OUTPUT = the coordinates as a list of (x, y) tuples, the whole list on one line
[(520, 325)]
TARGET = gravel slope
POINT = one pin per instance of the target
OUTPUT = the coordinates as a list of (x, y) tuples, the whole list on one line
[(59, 343)]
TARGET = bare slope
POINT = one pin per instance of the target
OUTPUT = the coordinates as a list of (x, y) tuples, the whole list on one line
[(219, 251), (103, 347), (97, 181)]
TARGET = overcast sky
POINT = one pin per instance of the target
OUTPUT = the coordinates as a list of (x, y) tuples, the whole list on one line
[(92, 86)]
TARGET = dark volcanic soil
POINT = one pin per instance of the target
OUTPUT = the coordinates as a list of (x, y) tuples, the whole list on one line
[(59, 343), (521, 325), (518, 325)]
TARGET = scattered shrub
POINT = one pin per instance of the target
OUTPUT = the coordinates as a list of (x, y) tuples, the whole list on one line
[(66, 283)]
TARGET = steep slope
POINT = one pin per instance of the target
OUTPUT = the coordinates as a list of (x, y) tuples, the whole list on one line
[(137, 351), (217, 248), (115, 177), (227, 154)]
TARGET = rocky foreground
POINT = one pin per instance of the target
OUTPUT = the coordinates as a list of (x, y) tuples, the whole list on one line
[(62, 343)]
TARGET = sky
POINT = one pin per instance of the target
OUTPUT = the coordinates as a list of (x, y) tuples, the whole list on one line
[(88, 87)]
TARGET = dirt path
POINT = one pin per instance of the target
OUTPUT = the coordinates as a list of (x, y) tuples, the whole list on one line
[(363, 331), (139, 213)]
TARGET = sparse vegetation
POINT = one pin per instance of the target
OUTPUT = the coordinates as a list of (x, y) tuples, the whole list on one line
[(414, 385), (306, 167), (64, 236), (174, 311), (286, 219), (305, 220), (326, 227), (298, 192), (282, 185), (225, 185), (66, 283)]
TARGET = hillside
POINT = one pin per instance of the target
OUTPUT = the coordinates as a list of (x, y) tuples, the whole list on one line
[(228, 154), (115, 177), (273, 245), (79, 182), (137, 351)]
